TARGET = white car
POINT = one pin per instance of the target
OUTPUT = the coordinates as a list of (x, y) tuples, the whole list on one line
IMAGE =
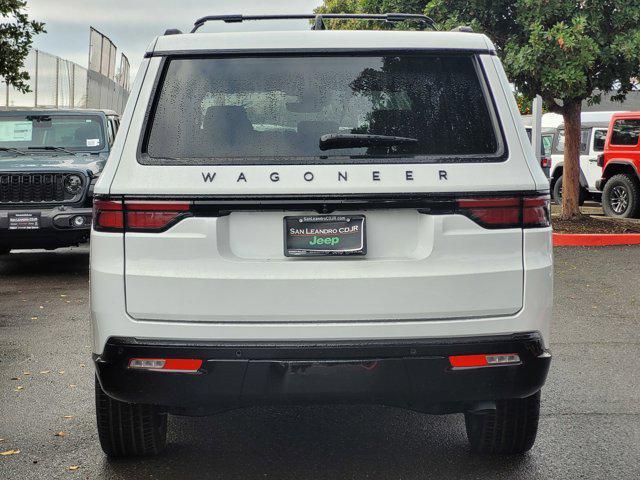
[(546, 141), (298, 217), (593, 133)]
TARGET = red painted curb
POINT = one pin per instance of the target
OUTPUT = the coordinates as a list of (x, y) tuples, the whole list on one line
[(595, 239)]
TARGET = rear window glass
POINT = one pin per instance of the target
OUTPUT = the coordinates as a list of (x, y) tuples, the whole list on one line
[(547, 140), (584, 141), (599, 139), (321, 109), (625, 132)]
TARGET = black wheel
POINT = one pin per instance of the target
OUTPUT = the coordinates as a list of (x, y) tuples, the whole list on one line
[(557, 193), (510, 429), (621, 196), (128, 429)]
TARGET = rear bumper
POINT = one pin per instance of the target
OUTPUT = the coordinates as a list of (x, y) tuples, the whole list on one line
[(55, 228), (410, 374)]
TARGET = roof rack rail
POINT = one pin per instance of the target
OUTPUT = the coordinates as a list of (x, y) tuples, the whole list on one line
[(318, 18)]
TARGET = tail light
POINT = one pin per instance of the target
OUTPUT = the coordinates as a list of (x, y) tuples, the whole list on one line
[(507, 212), (484, 360), (108, 215), (535, 212), (154, 216), (545, 162), (492, 212), (138, 216), (182, 365), (600, 160), (157, 216)]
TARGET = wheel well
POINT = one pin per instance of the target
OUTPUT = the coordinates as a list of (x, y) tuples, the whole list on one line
[(616, 169), (557, 173)]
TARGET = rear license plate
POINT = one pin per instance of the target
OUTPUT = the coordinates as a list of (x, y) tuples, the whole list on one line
[(24, 221), (324, 235)]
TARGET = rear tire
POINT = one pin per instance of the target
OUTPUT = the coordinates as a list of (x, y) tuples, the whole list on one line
[(129, 429), (557, 193), (621, 196), (510, 429)]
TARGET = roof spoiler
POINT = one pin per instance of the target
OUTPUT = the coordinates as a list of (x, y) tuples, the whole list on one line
[(318, 23)]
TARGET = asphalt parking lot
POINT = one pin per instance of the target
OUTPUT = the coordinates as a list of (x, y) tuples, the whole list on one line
[(590, 426)]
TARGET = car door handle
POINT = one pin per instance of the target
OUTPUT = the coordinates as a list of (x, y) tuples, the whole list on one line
[(593, 160)]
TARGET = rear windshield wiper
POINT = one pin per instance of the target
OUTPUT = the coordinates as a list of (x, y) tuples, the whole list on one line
[(14, 150), (49, 147), (351, 140)]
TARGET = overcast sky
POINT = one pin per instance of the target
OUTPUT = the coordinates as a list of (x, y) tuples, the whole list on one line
[(132, 24)]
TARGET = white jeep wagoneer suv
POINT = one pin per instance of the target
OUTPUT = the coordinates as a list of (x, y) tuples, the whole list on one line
[(321, 216)]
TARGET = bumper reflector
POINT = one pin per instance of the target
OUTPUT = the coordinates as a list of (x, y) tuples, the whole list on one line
[(483, 360), (184, 365)]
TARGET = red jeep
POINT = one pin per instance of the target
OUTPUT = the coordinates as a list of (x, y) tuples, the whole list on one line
[(620, 162)]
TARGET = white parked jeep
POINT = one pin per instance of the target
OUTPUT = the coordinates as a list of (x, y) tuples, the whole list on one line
[(321, 217)]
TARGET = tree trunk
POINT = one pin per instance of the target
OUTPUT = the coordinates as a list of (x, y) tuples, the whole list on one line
[(571, 172)]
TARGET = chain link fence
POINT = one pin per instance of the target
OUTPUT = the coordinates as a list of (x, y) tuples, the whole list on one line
[(59, 83)]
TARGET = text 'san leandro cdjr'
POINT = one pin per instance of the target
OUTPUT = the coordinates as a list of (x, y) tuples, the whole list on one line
[(321, 217)]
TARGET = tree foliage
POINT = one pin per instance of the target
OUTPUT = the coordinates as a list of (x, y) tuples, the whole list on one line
[(16, 37), (566, 51), (561, 49), (524, 104)]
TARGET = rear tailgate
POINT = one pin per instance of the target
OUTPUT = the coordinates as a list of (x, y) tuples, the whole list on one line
[(225, 262), (233, 269)]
